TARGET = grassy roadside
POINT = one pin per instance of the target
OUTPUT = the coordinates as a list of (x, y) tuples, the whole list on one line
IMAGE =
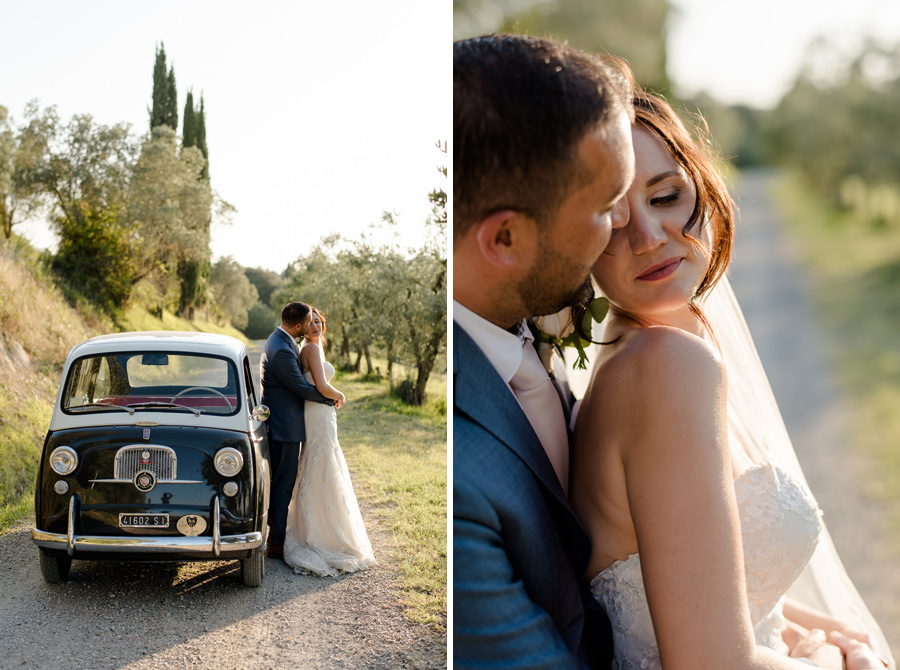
[(856, 267), (37, 329), (397, 456)]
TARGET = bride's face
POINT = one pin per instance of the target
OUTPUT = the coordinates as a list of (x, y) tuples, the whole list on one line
[(315, 326), (649, 268)]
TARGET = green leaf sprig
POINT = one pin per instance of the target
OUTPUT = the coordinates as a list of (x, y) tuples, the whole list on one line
[(597, 311)]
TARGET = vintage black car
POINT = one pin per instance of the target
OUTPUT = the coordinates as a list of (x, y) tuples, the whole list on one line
[(157, 451)]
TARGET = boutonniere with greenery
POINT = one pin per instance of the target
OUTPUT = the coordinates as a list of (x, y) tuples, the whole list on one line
[(556, 331)]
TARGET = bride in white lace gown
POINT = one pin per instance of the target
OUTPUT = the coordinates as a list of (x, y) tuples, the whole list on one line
[(325, 530), (682, 473)]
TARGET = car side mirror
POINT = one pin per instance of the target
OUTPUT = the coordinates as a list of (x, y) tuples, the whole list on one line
[(261, 413)]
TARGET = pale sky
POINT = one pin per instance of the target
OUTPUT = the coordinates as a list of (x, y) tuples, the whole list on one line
[(320, 115), (750, 52)]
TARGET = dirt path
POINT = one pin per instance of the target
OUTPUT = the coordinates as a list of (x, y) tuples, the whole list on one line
[(773, 292), (161, 616)]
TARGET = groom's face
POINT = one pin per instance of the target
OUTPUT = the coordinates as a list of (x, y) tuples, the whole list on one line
[(570, 245), (303, 326)]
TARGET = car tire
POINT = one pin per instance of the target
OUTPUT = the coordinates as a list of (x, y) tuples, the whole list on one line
[(55, 566), (253, 569)]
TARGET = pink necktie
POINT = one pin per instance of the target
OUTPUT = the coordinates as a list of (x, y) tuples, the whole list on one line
[(541, 404)]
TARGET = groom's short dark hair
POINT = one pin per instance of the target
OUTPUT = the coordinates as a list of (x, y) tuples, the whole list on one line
[(521, 106), (294, 313)]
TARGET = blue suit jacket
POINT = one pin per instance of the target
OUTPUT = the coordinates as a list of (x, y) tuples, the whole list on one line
[(518, 550), (284, 388)]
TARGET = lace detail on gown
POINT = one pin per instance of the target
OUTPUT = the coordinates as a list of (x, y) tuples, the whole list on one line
[(780, 525), (325, 530)]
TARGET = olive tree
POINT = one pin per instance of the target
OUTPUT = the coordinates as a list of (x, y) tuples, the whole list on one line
[(168, 207), (231, 293)]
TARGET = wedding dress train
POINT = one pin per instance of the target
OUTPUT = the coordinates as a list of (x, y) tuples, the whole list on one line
[(325, 530)]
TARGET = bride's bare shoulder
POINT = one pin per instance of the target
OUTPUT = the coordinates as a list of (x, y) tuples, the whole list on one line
[(659, 353)]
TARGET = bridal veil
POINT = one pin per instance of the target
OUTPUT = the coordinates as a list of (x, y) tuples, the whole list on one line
[(757, 433)]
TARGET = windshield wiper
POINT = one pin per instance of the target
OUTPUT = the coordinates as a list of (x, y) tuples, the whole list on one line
[(101, 404), (140, 405)]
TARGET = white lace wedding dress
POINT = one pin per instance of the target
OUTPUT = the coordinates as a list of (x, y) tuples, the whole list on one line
[(780, 525), (325, 531)]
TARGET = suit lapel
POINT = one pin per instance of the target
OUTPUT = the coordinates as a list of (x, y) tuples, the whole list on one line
[(480, 393), (288, 340)]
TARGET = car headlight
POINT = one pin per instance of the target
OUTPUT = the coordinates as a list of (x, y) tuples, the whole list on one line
[(228, 461), (63, 460)]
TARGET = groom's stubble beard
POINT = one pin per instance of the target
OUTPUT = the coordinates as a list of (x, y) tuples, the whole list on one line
[(552, 284)]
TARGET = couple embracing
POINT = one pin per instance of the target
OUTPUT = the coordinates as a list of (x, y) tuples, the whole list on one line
[(314, 520), (662, 521)]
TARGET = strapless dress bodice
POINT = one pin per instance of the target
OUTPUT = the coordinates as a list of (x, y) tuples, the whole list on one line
[(780, 526)]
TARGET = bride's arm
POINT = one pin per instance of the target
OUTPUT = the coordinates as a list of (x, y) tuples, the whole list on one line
[(314, 360), (680, 492)]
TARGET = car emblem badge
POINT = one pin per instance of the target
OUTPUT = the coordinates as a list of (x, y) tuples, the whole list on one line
[(144, 481), (191, 525), (146, 433), (145, 457)]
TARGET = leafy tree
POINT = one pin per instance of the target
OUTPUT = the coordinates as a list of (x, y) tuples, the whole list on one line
[(94, 258), (266, 283), (193, 275), (232, 293), (21, 151), (168, 208), (261, 321), (82, 166), (165, 96), (378, 299), (631, 29), (831, 126), (424, 309)]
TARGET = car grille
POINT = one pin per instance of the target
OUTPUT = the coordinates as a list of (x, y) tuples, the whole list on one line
[(133, 459)]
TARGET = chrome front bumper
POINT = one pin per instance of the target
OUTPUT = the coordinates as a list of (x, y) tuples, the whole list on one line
[(216, 546)]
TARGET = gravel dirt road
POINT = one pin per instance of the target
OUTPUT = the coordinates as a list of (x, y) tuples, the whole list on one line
[(774, 293), (156, 616), (160, 616)]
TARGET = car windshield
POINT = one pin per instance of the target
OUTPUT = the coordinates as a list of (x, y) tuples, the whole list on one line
[(152, 381)]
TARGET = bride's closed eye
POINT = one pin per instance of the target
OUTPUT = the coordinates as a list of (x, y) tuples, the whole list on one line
[(669, 198)]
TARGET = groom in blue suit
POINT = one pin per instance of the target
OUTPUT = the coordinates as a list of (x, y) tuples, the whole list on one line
[(284, 390), (542, 157)]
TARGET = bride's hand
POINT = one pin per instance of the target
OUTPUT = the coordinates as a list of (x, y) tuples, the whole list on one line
[(858, 654), (816, 648), (859, 635), (793, 633)]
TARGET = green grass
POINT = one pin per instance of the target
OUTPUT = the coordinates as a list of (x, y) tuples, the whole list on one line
[(856, 271), (398, 459)]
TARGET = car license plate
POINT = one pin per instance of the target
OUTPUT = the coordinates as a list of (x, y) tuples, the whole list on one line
[(143, 520)]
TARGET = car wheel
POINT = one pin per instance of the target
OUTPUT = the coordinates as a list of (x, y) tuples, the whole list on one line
[(55, 566), (253, 569)]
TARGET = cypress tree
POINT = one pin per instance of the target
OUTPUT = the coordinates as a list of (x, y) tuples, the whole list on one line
[(172, 101), (160, 89), (165, 96), (201, 136), (189, 127)]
